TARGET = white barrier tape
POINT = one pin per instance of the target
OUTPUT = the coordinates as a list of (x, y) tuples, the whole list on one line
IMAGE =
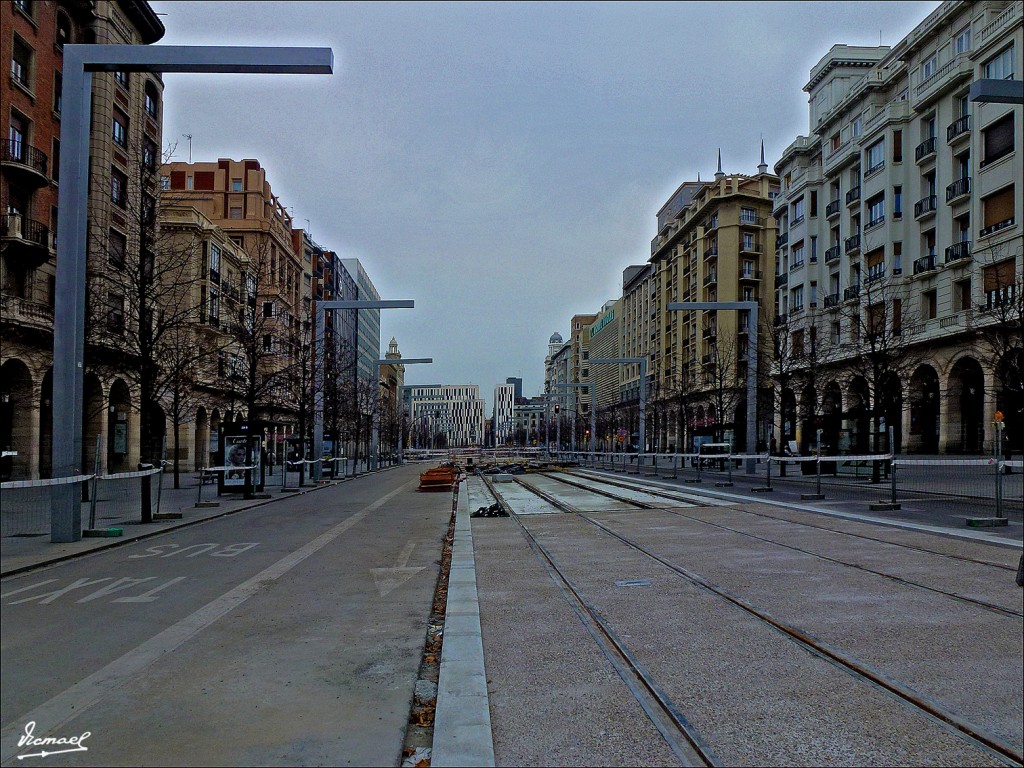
[(127, 475), (10, 484), (794, 459), (1014, 464), (945, 462), (875, 457), (225, 469)]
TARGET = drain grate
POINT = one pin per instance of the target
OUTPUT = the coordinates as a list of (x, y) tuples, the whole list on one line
[(633, 583)]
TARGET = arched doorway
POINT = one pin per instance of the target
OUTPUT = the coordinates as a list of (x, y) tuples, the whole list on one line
[(118, 427), (924, 411), (831, 417), (94, 415), (15, 420), (857, 416), (966, 407), (46, 425)]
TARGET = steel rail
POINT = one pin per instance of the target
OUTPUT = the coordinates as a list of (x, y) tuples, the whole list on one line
[(860, 670), (681, 737), (600, 478)]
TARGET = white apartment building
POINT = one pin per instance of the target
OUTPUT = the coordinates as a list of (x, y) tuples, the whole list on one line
[(445, 415), (503, 415), (900, 239)]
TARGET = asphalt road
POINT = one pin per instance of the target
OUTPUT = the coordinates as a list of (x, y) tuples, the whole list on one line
[(288, 634)]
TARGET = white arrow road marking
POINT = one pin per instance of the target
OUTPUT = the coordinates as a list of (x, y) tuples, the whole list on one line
[(388, 579)]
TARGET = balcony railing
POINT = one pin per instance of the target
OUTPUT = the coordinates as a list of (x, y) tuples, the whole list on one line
[(875, 273), (753, 247), (781, 280), (19, 151), (709, 279), (750, 274), (924, 264), (832, 254), (986, 231), (25, 312), (13, 225), (958, 188), (832, 208), (712, 251), (874, 168), (924, 149), (853, 195), (924, 206), (831, 300), (852, 243), (999, 297), (957, 251), (752, 221), (781, 240), (958, 128), (851, 292), (876, 222)]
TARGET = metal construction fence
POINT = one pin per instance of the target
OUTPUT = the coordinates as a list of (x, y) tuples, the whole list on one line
[(992, 484), (106, 500)]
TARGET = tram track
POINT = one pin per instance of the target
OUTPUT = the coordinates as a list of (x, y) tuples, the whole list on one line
[(667, 494), (860, 670), (983, 604)]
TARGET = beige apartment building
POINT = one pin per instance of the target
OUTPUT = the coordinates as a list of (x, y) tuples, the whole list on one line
[(900, 224), (716, 242), (127, 113)]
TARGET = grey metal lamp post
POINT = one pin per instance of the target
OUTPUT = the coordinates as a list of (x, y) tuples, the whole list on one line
[(376, 377), (751, 307), (318, 395), (79, 62), (643, 389)]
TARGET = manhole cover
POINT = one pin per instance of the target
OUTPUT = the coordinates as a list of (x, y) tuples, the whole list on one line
[(633, 583)]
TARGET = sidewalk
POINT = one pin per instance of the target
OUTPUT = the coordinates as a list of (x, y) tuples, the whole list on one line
[(22, 553)]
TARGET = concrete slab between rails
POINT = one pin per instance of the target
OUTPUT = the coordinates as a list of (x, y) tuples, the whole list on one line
[(462, 722), (950, 532)]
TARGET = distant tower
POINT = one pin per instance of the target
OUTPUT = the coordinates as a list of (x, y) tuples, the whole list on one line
[(393, 353), (763, 167), (554, 343), (719, 175)]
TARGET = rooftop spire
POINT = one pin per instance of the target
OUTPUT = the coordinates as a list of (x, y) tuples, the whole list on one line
[(719, 174), (763, 167)]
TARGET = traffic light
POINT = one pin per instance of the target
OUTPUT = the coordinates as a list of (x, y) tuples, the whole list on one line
[(557, 408)]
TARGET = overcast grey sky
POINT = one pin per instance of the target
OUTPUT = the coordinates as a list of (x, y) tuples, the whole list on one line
[(501, 164)]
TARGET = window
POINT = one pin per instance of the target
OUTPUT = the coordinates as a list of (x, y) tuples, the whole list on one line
[(814, 203), (1000, 66), (962, 295), (855, 126), (121, 78), (115, 312), (962, 43), (268, 309), (64, 31), (876, 210), (214, 307), (118, 187), (997, 139), (236, 185), (165, 183), (997, 211), (1000, 283), (748, 241), (929, 66), (897, 146), (897, 202), (928, 127), (118, 249), (798, 256), (152, 100), (268, 342), (876, 156), (897, 257), (55, 160), (25, 6), (748, 216), (214, 262), (798, 212), (796, 300), (834, 142), (58, 92), (120, 129), (149, 151), (21, 63), (17, 137), (929, 304), (814, 249), (236, 212)]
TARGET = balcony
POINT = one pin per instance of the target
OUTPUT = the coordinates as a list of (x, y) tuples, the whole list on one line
[(924, 264), (707, 333), (26, 163), (949, 74), (876, 272), (832, 254), (851, 293), (782, 280), (751, 247), (831, 300), (22, 312), (999, 297), (781, 240), (958, 188), (24, 238), (874, 169), (992, 229), (750, 274), (781, 319), (958, 129), (853, 195), (958, 251), (925, 207), (752, 221), (711, 252), (876, 222), (852, 244), (925, 149), (832, 208), (710, 279)]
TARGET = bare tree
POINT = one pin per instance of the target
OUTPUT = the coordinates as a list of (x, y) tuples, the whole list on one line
[(723, 375)]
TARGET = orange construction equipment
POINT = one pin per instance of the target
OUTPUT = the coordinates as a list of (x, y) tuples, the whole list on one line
[(439, 478)]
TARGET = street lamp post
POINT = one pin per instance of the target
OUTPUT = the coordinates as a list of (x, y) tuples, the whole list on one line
[(318, 398), (376, 377), (741, 306), (643, 389), (78, 64)]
